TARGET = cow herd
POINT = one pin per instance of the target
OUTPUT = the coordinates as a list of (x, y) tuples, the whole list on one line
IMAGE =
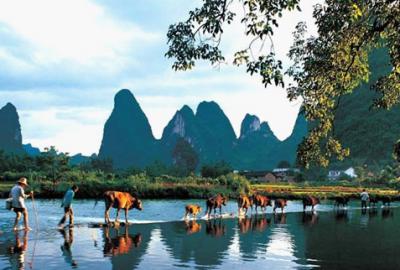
[(123, 200)]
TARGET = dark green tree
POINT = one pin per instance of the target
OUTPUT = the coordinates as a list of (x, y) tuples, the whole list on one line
[(185, 158), (215, 170), (325, 67)]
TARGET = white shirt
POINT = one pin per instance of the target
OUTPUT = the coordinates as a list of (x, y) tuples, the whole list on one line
[(18, 197)]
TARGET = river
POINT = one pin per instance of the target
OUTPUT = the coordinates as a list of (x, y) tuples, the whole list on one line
[(159, 239)]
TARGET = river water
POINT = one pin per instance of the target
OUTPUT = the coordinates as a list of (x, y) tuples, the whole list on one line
[(159, 239)]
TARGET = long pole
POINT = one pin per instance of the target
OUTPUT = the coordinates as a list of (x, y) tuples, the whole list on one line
[(35, 212)]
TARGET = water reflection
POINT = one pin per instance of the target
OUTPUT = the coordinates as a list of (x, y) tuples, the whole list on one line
[(18, 250), (125, 246), (66, 247), (387, 213), (192, 227), (341, 215), (309, 218), (215, 227), (280, 218)]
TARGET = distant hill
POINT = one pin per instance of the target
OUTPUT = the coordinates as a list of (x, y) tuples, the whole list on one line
[(369, 133), (31, 150), (10, 130), (128, 139)]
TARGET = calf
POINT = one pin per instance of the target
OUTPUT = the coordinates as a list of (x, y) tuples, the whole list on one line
[(244, 202), (120, 200), (192, 209), (341, 201), (280, 203), (262, 201), (215, 202)]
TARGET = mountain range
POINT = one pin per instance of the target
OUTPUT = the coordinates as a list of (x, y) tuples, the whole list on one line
[(128, 139)]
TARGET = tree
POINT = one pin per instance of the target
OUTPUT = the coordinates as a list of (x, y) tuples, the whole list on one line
[(284, 164), (185, 158), (53, 163), (215, 170), (324, 69)]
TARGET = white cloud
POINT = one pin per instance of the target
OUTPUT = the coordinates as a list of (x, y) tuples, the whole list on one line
[(76, 32)]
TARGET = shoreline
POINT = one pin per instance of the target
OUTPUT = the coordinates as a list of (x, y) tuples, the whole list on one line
[(172, 191)]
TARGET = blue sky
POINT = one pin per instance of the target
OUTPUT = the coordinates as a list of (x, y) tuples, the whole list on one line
[(61, 63)]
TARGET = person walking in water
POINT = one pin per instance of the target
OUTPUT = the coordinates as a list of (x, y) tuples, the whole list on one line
[(18, 202), (67, 204), (364, 199)]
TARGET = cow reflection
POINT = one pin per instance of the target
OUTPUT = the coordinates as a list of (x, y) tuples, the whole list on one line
[(192, 227), (245, 224), (387, 212), (215, 228), (66, 247), (120, 244), (18, 250), (309, 218), (280, 218), (341, 215), (372, 212), (260, 223)]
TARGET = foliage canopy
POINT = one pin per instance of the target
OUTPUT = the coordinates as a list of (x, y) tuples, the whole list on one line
[(325, 68)]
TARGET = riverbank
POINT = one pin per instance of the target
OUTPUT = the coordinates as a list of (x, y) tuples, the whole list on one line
[(321, 190), (198, 188), (165, 187)]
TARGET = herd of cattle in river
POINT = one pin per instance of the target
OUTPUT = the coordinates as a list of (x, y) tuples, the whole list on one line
[(124, 200)]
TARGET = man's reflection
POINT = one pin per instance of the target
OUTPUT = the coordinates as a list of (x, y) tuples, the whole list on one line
[(67, 245), (215, 228), (120, 244), (18, 250), (192, 226)]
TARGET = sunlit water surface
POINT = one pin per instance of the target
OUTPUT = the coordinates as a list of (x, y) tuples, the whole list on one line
[(159, 239)]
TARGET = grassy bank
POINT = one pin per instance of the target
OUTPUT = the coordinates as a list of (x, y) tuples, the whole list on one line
[(93, 186), (321, 190)]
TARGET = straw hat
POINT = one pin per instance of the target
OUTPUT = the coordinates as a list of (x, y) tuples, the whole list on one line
[(23, 181)]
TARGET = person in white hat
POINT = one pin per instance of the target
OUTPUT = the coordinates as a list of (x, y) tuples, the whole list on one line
[(18, 202)]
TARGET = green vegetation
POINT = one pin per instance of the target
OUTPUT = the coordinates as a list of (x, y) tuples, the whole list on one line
[(50, 174), (325, 67)]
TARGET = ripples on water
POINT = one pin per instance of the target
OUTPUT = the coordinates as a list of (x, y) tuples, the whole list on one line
[(330, 239)]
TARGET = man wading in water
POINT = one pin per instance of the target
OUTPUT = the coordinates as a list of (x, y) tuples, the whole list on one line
[(66, 203), (364, 199), (18, 202)]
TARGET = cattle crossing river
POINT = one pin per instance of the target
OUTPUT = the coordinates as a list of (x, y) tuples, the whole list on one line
[(159, 239)]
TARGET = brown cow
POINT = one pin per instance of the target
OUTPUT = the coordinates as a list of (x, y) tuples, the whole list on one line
[(262, 201), (192, 209), (280, 203), (120, 200), (244, 202), (310, 201), (214, 203)]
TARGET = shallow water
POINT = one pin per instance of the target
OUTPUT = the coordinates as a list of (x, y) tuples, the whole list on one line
[(159, 239)]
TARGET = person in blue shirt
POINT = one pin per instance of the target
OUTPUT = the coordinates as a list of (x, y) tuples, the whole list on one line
[(67, 204)]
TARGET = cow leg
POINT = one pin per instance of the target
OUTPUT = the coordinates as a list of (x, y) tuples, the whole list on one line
[(116, 217), (126, 216), (107, 214)]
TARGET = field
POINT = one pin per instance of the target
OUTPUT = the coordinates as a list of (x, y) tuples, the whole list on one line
[(297, 191)]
